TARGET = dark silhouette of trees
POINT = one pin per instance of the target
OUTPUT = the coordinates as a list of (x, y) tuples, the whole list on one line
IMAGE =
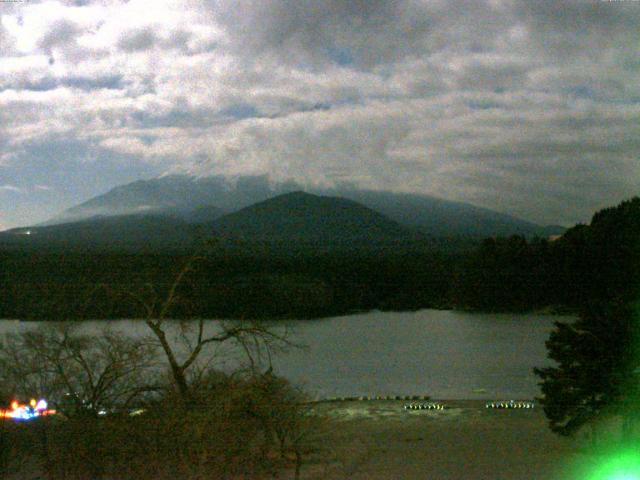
[(84, 376), (597, 270), (614, 252), (244, 281), (79, 373), (505, 274), (597, 373), (599, 261)]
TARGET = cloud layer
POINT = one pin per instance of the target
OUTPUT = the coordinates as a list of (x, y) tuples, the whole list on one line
[(532, 108)]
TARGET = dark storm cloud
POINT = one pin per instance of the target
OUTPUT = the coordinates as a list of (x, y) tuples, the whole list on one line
[(497, 73), (569, 22), (588, 42)]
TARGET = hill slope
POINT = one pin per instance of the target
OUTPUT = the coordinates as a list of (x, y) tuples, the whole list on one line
[(294, 218), (123, 232), (439, 217), (307, 218), (176, 195)]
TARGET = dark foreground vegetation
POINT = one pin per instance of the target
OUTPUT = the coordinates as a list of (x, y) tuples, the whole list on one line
[(596, 376), (232, 428), (596, 371), (146, 407)]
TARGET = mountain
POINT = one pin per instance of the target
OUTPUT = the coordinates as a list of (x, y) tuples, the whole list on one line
[(123, 232), (438, 217), (186, 197), (177, 196), (290, 219), (300, 217)]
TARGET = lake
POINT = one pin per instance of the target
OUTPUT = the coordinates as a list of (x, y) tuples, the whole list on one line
[(445, 354)]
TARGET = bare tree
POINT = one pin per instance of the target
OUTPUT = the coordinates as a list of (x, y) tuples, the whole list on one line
[(77, 371), (256, 339)]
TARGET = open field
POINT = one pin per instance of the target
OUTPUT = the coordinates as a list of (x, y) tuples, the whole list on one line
[(378, 440)]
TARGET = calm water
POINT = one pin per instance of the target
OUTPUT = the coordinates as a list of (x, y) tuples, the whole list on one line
[(444, 354)]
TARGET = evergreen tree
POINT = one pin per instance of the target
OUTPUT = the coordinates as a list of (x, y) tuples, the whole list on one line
[(598, 367)]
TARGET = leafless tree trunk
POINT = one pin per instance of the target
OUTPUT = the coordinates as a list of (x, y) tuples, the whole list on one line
[(252, 337)]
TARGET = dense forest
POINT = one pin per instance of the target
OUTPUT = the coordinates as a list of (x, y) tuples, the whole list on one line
[(248, 283), (595, 261)]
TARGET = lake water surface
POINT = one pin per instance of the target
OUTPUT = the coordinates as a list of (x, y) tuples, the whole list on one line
[(445, 354)]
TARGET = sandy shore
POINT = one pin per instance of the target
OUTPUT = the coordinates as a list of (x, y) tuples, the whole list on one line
[(379, 440)]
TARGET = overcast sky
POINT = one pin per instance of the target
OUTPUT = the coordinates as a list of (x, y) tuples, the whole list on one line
[(530, 107)]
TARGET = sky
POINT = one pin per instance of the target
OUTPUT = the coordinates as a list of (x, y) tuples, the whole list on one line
[(527, 107)]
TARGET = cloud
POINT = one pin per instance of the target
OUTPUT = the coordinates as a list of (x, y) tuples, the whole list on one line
[(130, 145), (10, 189), (526, 107), (60, 33), (366, 33), (142, 39)]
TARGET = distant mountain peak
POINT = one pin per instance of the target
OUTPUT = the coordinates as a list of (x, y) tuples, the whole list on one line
[(180, 196)]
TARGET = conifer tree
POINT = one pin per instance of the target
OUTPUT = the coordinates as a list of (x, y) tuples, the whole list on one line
[(597, 372)]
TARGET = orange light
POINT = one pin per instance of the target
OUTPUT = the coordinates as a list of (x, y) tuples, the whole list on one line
[(24, 412)]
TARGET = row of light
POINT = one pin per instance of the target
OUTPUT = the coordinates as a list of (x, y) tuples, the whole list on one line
[(35, 408), (424, 406), (499, 405), (510, 404)]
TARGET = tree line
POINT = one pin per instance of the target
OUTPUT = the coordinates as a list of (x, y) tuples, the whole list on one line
[(247, 282), (514, 274), (596, 376), (595, 262)]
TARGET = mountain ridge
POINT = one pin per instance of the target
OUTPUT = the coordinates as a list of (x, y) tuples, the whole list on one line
[(288, 220), (182, 195)]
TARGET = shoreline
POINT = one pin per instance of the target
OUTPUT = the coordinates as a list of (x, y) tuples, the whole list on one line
[(378, 440), (551, 310)]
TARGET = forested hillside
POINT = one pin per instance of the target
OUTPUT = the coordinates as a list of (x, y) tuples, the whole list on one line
[(598, 261), (252, 279), (249, 283)]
